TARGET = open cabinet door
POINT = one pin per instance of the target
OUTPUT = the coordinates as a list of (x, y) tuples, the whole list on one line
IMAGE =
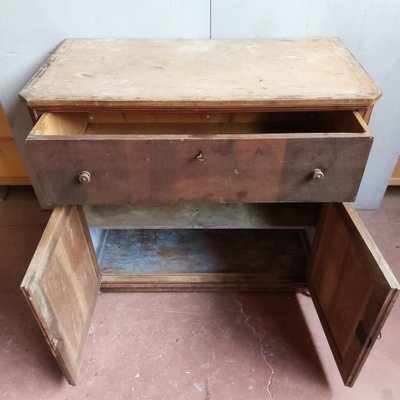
[(61, 286), (352, 287)]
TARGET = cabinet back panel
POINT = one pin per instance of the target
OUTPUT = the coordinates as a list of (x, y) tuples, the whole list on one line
[(204, 216), (252, 258)]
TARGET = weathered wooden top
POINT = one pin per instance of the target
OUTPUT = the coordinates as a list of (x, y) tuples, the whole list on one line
[(132, 73)]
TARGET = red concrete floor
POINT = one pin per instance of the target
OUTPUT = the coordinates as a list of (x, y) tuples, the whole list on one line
[(187, 345)]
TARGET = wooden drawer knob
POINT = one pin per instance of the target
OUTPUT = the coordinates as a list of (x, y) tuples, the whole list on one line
[(317, 175), (84, 177)]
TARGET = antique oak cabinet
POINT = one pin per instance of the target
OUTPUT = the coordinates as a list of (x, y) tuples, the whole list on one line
[(204, 165)]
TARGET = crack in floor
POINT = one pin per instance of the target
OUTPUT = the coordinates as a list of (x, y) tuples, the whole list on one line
[(253, 330), (208, 394)]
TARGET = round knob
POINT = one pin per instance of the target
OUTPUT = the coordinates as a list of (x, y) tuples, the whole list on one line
[(200, 156), (84, 177), (317, 175)]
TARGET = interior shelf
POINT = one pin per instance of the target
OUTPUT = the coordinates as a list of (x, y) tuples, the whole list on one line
[(243, 259), (203, 246)]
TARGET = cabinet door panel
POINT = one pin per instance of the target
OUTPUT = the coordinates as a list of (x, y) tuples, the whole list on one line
[(61, 287), (351, 285)]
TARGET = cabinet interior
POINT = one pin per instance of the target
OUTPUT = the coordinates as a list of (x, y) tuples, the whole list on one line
[(200, 123), (269, 242)]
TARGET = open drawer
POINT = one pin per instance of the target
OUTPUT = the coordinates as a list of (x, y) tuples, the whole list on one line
[(155, 158), (351, 285)]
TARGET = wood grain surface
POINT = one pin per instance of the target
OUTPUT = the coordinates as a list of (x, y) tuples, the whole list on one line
[(184, 259), (150, 158), (164, 168), (258, 73), (204, 216), (352, 287), (61, 286)]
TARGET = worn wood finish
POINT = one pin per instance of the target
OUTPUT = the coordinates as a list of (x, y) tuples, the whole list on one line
[(61, 286), (192, 127), (215, 282), (136, 113), (203, 260), (164, 168), (199, 123), (130, 163), (206, 123), (366, 113), (274, 121), (134, 251), (127, 73), (204, 216), (352, 287)]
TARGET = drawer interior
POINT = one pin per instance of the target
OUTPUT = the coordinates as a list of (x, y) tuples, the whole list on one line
[(244, 247), (201, 123)]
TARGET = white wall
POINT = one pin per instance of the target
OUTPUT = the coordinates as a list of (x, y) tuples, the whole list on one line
[(29, 31)]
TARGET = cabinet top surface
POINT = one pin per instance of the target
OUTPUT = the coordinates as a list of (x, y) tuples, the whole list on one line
[(254, 73)]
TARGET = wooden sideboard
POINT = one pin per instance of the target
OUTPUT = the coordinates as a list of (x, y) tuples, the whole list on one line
[(204, 165)]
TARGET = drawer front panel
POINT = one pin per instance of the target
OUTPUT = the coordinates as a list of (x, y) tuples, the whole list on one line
[(222, 168)]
